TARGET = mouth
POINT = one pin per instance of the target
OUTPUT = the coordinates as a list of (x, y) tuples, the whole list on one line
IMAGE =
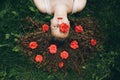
[(59, 18)]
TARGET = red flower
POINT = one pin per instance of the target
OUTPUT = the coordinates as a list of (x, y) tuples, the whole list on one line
[(64, 27), (45, 27), (93, 42), (39, 58), (64, 55), (78, 29), (33, 45), (52, 48), (61, 64), (74, 44)]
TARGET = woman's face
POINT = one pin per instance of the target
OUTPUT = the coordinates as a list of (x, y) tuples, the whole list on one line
[(55, 30)]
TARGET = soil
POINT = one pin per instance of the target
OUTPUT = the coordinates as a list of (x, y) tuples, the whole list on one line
[(76, 57)]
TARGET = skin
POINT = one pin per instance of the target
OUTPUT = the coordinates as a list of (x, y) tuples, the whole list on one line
[(59, 8)]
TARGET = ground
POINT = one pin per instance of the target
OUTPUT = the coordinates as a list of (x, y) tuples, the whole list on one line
[(14, 65)]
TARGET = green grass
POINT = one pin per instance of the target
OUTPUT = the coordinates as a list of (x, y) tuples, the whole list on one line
[(16, 66)]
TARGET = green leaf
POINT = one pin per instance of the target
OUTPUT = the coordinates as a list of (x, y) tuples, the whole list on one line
[(32, 9), (3, 12), (83, 67), (47, 17), (15, 35), (3, 73), (2, 78), (13, 72), (50, 77), (98, 65), (2, 45), (7, 36), (15, 39), (16, 49), (88, 15), (14, 13)]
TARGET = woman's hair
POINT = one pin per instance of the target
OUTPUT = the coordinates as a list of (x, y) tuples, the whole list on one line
[(77, 57)]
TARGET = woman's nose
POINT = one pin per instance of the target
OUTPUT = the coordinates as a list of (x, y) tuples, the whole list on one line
[(59, 22)]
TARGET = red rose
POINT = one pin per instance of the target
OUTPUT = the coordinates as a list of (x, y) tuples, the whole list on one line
[(52, 48), (64, 55), (39, 58), (45, 27), (74, 44), (78, 29), (93, 42), (64, 27), (33, 45), (61, 64)]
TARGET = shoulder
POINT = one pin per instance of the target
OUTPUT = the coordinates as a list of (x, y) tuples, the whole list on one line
[(40, 4), (79, 5)]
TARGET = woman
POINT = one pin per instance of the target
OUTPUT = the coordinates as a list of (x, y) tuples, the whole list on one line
[(60, 9)]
